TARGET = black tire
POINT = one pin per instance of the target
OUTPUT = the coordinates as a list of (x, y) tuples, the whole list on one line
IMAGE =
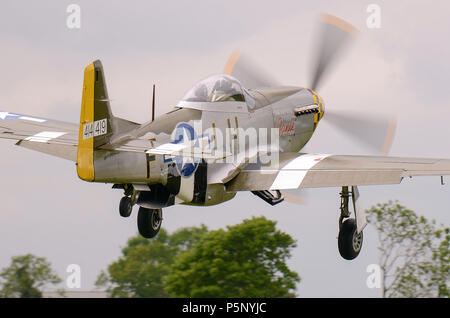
[(125, 207), (149, 222), (349, 242)]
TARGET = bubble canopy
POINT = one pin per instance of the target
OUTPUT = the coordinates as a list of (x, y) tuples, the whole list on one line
[(216, 88)]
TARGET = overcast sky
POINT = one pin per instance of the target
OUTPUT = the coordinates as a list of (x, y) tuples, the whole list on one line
[(401, 68)]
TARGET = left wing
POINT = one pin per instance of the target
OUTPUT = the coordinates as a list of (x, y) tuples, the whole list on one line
[(60, 139), (299, 170), (53, 137)]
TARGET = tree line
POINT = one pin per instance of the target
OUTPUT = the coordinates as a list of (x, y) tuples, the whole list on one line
[(250, 260)]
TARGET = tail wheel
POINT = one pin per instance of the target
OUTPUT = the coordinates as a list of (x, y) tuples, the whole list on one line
[(125, 207), (349, 241), (149, 221)]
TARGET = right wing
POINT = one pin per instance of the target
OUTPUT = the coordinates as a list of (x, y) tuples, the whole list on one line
[(299, 170)]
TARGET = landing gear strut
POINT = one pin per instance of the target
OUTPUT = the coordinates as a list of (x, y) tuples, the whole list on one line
[(350, 237)]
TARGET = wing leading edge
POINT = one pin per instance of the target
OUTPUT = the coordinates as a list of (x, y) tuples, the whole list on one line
[(299, 170)]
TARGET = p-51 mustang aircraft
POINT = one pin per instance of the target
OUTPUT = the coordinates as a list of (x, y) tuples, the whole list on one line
[(218, 140)]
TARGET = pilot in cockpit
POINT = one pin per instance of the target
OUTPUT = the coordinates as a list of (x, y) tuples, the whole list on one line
[(217, 88), (223, 90)]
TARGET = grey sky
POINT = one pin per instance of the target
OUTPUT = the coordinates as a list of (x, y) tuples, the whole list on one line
[(402, 68)]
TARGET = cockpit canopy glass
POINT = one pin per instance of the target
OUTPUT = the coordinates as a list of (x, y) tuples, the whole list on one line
[(216, 88)]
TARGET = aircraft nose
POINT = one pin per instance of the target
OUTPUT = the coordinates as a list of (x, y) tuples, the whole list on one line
[(321, 107), (319, 102)]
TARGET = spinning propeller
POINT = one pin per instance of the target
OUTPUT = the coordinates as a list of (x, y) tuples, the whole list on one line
[(375, 131)]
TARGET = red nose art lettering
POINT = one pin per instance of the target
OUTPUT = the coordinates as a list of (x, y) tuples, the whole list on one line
[(286, 127)]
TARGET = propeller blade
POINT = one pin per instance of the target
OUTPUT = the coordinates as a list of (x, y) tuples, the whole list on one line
[(375, 131), (299, 199), (335, 34), (247, 72)]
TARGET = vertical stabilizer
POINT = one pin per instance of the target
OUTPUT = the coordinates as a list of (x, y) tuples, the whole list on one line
[(96, 119)]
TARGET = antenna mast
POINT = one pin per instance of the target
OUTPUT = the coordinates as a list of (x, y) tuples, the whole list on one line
[(153, 103)]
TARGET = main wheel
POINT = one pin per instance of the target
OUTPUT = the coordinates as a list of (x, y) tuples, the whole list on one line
[(125, 207), (149, 222), (349, 241)]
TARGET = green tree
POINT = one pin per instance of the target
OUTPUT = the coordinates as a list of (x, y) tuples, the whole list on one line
[(144, 263), (440, 266), (25, 276), (414, 256), (246, 260)]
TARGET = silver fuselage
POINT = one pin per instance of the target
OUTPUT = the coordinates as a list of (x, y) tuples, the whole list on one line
[(292, 112)]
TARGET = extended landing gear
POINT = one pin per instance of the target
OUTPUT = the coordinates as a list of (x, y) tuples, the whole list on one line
[(350, 237), (149, 221), (349, 241), (125, 207), (128, 201)]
